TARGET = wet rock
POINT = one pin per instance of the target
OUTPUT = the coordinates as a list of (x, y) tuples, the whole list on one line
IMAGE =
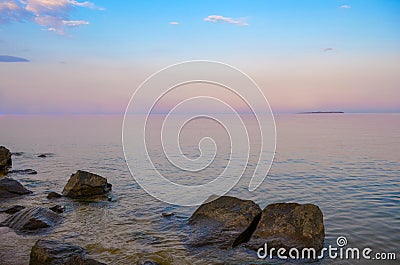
[(51, 252), (18, 153), (42, 156), (168, 214), (12, 209), (10, 188), (84, 184), (32, 219), (224, 222), (57, 208), (5, 158), (289, 225), (23, 171), (53, 195)]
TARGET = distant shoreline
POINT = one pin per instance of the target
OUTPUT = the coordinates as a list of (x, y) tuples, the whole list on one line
[(321, 112)]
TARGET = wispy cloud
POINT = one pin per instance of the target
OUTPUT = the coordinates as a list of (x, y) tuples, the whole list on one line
[(174, 23), (328, 49), (12, 59), (52, 14), (345, 6), (222, 19)]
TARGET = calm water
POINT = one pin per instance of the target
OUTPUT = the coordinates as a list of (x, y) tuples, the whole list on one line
[(348, 164)]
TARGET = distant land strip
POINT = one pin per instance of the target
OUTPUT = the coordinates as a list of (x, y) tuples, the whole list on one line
[(321, 112)]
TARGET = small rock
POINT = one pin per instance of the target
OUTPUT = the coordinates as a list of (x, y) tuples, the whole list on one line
[(23, 171), (18, 153), (42, 156), (149, 262), (12, 209), (57, 208), (10, 188), (84, 184), (5, 158), (32, 219), (289, 225), (224, 222), (168, 214), (53, 195), (51, 252)]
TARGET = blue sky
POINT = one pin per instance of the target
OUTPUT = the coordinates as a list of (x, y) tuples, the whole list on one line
[(256, 36)]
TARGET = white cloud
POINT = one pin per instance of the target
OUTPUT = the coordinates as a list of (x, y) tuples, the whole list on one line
[(217, 18), (345, 6), (328, 49), (174, 23), (52, 14)]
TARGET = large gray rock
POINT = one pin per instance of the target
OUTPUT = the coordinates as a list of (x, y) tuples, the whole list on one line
[(84, 184), (32, 220), (51, 252), (5, 158), (224, 222), (10, 188), (289, 225)]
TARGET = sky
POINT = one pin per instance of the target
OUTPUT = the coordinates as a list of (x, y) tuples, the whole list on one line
[(79, 57)]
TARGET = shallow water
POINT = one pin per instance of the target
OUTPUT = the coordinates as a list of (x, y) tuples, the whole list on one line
[(346, 164)]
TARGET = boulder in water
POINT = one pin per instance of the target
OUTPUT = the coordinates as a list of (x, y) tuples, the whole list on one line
[(224, 222), (52, 252), (84, 184), (10, 188), (5, 158), (32, 219), (289, 225)]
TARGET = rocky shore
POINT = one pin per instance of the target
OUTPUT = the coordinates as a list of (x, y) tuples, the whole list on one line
[(224, 223)]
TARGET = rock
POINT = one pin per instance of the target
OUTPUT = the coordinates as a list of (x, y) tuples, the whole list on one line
[(57, 208), (5, 158), (10, 188), (18, 153), (51, 252), (53, 195), (225, 222), (23, 171), (12, 209), (168, 214), (42, 156), (32, 219), (84, 184), (289, 225)]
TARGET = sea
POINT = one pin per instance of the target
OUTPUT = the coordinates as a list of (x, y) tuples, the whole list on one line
[(347, 164)]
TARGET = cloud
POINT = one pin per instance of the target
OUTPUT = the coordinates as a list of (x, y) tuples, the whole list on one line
[(222, 19), (328, 49), (12, 59), (52, 14), (345, 7), (174, 23)]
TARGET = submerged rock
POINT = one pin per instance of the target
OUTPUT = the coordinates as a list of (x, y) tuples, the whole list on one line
[(289, 225), (32, 219), (57, 208), (23, 171), (84, 184), (5, 158), (53, 195), (10, 188), (51, 252), (12, 209), (225, 222), (42, 156)]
